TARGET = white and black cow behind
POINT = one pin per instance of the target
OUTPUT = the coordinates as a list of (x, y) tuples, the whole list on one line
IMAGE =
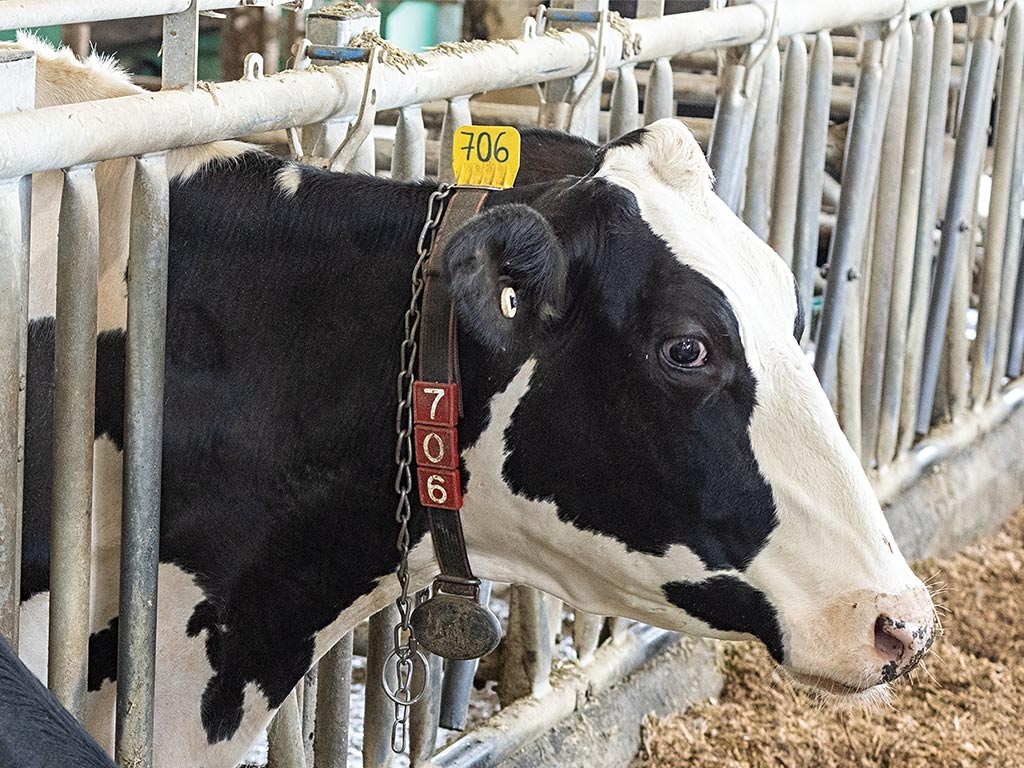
[(645, 438)]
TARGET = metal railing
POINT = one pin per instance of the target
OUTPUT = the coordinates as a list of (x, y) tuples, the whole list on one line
[(893, 337)]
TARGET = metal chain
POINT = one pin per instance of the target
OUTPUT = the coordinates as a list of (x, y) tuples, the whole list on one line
[(406, 652)]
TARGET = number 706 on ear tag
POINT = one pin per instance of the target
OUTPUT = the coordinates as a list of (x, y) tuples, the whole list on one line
[(486, 155)]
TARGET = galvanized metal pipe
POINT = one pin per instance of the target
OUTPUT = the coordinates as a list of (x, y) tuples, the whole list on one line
[(74, 391), (424, 717), (906, 237), (307, 702), (812, 169), (408, 160), (1016, 354), (456, 115), (15, 214), (526, 659), (956, 367), (45, 13), (887, 210), (763, 140), (62, 136), (658, 95), (334, 685), (379, 712), (180, 50), (586, 634), (625, 102), (1011, 260), (143, 440), (726, 152), (852, 219), (17, 92), (284, 738), (983, 351), (787, 162), (457, 684), (931, 175), (958, 216)]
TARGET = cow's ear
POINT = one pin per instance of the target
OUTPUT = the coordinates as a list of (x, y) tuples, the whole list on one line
[(506, 247)]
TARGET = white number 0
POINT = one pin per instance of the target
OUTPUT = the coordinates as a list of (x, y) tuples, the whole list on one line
[(438, 394), (435, 458), (435, 489)]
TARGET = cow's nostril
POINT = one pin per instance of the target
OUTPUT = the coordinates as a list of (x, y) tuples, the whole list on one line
[(888, 639)]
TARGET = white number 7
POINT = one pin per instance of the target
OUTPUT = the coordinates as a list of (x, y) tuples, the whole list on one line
[(438, 394)]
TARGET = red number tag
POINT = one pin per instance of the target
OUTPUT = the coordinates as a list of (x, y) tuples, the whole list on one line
[(440, 487), (436, 447), (434, 403)]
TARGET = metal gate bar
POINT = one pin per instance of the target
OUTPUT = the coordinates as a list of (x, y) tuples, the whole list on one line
[(143, 436), (787, 160), (17, 91), (74, 391), (905, 240), (931, 173), (958, 217)]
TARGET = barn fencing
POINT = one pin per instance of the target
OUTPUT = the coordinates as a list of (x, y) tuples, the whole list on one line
[(917, 329)]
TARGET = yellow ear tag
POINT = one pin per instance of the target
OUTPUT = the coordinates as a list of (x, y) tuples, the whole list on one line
[(486, 155)]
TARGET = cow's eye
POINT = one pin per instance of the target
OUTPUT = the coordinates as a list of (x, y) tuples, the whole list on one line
[(686, 352)]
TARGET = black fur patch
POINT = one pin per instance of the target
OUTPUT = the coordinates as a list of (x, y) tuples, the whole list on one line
[(729, 604), (103, 656)]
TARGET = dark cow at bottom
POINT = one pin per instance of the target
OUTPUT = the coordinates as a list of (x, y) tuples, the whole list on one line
[(645, 438), (35, 730)]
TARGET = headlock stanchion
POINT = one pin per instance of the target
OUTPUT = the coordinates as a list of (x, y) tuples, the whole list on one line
[(860, 216)]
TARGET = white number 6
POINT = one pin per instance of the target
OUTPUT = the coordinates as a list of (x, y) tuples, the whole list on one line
[(436, 490)]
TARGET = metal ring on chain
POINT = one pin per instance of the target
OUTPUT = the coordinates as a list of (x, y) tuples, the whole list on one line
[(395, 693)]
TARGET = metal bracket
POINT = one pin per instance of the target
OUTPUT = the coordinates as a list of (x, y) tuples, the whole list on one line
[(364, 121)]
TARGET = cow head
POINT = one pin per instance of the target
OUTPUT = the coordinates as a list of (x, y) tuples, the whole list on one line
[(663, 450)]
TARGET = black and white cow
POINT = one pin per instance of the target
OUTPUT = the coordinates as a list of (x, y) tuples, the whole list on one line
[(645, 438), (35, 730)]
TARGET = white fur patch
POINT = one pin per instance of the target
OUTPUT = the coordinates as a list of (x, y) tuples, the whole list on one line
[(288, 179)]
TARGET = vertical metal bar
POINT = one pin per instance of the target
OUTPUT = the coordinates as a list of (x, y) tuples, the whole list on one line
[(424, 717), (143, 436), (308, 706), (408, 161), (1011, 259), (379, 711), (931, 175), (181, 49), (888, 199), (854, 206), (956, 328), (812, 169), (1016, 354), (625, 102), (526, 662), (334, 684), (724, 154), (763, 140), (906, 236), (17, 91), (787, 161), (458, 683), (658, 95), (999, 213), (586, 634), (958, 218), (284, 739), (456, 115), (74, 390)]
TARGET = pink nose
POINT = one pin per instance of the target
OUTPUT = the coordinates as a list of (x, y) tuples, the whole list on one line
[(901, 644)]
